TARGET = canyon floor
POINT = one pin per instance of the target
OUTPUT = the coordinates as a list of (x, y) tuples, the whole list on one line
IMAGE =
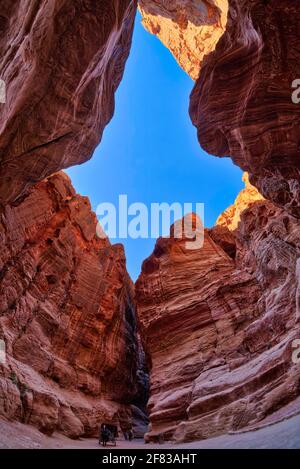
[(284, 434)]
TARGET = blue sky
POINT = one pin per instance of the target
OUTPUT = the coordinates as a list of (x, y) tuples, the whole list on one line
[(150, 150)]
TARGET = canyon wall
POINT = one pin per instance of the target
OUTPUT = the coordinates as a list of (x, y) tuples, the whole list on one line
[(219, 322), (66, 315), (61, 62), (73, 358)]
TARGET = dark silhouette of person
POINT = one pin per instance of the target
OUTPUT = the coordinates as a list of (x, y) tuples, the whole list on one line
[(104, 434)]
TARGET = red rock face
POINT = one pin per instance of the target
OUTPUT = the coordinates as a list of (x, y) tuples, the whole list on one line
[(66, 315), (242, 102), (62, 62), (218, 325)]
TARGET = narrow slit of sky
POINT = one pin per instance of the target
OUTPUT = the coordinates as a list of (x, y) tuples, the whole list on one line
[(150, 151)]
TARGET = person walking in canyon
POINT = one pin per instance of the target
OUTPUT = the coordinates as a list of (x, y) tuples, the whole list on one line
[(104, 435)]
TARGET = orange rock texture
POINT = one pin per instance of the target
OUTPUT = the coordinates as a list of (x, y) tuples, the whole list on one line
[(66, 315), (231, 217), (62, 61), (189, 28), (218, 324)]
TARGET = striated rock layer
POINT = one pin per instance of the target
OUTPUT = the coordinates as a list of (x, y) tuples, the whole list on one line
[(61, 61), (66, 316), (242, 102), (219, 322), (189, 28)]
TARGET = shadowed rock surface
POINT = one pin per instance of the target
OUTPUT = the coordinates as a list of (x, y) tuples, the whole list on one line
[(218, 324), (66, 315), (62, 61)]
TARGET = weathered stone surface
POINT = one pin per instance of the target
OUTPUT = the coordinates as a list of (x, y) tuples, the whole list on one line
[(62, 61), (242, 102), (66, 315), (189, 28), (218, 324)]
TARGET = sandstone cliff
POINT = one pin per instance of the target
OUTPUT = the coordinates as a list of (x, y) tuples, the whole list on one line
[(62, 62), (66, 301), (236, 366), (66, 315), (219, 322)]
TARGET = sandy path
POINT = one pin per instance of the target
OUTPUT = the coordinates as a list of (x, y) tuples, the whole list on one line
[(285, 434)]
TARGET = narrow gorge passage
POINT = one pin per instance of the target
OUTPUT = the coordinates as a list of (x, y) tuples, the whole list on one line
[(149, 152), (207, 336)]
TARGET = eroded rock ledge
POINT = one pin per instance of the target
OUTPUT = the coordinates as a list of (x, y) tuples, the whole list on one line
[(62, 61), (66, 314), (219, 322)]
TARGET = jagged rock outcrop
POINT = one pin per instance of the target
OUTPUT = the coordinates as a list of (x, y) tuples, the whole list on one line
[(231, 217), (242, 102), (189, 28), (218, 324), (66, 315), (61, 62)]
